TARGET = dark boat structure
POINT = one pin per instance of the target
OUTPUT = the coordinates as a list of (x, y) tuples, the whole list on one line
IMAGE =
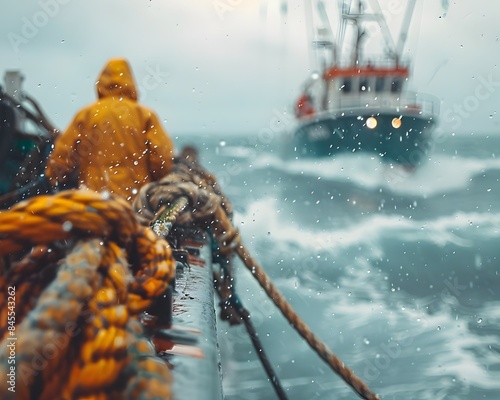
[(26, 138), (359, 100)]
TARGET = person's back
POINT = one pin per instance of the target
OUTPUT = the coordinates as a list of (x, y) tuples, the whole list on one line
[(115, 144)]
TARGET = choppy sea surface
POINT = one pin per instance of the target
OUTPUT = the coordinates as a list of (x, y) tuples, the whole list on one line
[(396, 271)]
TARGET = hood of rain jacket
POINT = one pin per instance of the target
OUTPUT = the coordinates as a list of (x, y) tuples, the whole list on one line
[(116, 80)]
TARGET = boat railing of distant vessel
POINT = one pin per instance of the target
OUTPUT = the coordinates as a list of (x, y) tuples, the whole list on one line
[(407, 103)]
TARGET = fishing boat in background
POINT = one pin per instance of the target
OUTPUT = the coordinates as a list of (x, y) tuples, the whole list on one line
[(359, 101)]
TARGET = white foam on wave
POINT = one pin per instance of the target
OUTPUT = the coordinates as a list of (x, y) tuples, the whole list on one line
[(390, 340), (236, 151), (458, 351), (263, 220), (384, 335), (386, 331), (438, 175)]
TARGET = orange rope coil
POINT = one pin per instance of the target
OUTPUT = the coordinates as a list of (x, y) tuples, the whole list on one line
[(77, 330)]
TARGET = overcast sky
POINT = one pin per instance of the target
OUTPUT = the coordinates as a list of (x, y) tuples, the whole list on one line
[(229, 66)]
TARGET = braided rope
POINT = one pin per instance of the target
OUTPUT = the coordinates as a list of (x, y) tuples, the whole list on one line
[(67, 215), (82, 315), (185, 180), (30, 280)]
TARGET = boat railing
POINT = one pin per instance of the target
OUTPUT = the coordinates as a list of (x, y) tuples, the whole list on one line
[(422, 104)]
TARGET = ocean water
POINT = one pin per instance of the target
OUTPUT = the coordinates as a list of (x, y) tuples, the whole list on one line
[(396, 272)]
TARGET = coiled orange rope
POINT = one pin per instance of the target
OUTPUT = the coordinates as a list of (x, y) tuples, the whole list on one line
[(77, 332)]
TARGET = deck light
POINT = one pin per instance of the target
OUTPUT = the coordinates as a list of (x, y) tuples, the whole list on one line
[(396, 123), (371, 122)]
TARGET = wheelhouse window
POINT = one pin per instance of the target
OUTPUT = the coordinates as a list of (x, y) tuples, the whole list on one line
[(379, 84), (396, 85), (346, 85)]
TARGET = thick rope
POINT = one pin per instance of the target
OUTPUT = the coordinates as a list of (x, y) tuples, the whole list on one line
[(207, 210), (186, 179), (80, 336), (30, 277), (245, 316), (77, 214)]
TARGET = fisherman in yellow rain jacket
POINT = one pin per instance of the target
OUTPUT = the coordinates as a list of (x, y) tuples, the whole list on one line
[(115, 144)]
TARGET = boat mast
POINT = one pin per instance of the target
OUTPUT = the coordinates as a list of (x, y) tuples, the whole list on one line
[(353, 13), (395, 51), (360, 33), (386, 33), (325, 38), (403, 35)]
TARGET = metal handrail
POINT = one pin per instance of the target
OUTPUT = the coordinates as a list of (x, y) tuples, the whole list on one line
[(407, 102)]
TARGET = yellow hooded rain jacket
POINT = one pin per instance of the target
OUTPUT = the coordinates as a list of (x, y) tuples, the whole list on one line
[(115, 144)]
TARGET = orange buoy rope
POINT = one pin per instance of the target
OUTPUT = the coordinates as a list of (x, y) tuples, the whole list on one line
[(77, 332)]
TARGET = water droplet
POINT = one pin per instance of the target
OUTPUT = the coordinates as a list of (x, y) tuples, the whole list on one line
[(439, 328), (67, 226), (366, 341), (479, 320)]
